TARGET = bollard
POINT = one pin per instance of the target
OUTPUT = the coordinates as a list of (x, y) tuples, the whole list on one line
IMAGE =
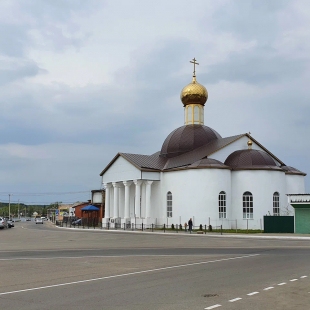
[(142, 226)]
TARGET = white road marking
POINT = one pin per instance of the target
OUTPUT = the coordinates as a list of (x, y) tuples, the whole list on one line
[(302, 277), (212, 307), (253, 293), (268, 288), (283, 283), (235, 299), (293, 280), (127, 274)]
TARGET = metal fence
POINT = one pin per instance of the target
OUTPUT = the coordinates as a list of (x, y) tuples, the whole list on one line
[(92, 223)]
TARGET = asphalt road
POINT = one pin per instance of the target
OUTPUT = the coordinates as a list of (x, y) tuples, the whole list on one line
[(44, 267)]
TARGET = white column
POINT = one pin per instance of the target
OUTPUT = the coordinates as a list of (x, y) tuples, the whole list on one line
[(148, 199), (107, 200), (137, 198), (116, 200), (127, 187)]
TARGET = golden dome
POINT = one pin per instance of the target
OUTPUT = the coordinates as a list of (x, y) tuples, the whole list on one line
[(194, 93)]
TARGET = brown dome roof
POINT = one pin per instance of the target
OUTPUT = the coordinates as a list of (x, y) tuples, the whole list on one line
[(208, 163), (187, 138), (251, 159)]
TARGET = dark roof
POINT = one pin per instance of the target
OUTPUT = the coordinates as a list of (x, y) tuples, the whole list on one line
[(251, 159), (208, 163), (292, 170), (199, 153), (142, 162), (156, 162), (187, 138)]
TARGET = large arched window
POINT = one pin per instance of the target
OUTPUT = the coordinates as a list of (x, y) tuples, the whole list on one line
[(276, 203), (169, 204), (222, 205), (247, 199)]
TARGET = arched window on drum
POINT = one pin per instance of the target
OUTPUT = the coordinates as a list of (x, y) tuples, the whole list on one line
[(169, 204), (222, 205)]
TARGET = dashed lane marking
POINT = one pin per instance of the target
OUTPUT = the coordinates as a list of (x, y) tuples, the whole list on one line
[(235, 299), (213, 307), (253, 293)]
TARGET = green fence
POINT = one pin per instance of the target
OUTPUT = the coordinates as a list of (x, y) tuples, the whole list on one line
[(279, 224)]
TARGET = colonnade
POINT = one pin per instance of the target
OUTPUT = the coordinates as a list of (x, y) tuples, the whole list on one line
[(118, 198)]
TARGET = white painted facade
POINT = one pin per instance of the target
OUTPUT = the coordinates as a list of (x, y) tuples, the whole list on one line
[(195, 194)]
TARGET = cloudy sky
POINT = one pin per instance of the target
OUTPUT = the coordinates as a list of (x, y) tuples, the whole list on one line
[(83, 80)]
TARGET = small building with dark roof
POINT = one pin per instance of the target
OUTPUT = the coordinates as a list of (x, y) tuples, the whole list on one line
[(230, 181)]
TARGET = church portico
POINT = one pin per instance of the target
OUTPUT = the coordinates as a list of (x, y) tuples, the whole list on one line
[(128, 201)]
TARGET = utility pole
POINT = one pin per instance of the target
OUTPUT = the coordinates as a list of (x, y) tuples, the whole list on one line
[(9, 206)]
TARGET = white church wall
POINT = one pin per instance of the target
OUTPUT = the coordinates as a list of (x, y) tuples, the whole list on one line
[(121, 170), (262, 184), (240, 144), (156, 201), (295, 184), (148, 175), (195, 194)]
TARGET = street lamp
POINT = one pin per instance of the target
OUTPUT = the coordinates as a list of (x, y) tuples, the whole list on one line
[(9, 206)]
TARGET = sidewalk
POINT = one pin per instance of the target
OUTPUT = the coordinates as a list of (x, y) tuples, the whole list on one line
[(208, 234)]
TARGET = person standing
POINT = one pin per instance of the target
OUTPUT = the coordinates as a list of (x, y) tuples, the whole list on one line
[(190, 225)]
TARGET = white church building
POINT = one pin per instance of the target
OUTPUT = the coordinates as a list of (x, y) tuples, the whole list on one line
[(229, 181)]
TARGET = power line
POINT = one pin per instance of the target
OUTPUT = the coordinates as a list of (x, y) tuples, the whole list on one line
[(43, 194)]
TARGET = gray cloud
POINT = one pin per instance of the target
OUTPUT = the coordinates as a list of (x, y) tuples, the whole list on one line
[(19, 70), (250, 19), (252, 86), (13, 39), (258, 66)]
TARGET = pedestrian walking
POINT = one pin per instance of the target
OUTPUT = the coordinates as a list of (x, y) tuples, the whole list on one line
[(190, 225)]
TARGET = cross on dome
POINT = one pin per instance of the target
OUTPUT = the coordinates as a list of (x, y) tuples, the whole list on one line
[(193, 61)]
